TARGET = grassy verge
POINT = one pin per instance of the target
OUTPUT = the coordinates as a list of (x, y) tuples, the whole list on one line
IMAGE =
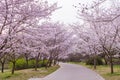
[(27, 73), (104, 71)]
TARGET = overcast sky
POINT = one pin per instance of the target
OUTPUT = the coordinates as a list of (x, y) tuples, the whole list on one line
[(67, 13)]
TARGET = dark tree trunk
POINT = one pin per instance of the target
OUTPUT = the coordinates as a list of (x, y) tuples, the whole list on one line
[(27, 62), (37, 60), (106, 63), (36, 64), (111, 64), (13, 67), (27, 59), (55, 60), (2, 69), (50, 62), (105, 59), (54, 63), (2, 64), (94, 62)]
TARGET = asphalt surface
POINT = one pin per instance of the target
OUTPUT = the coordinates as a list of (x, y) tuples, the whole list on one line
[(71, 72)]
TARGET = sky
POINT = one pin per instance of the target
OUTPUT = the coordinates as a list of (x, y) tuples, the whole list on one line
[(67, 13)]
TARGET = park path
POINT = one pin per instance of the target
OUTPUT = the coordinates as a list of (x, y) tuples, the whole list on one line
[(71, 72)]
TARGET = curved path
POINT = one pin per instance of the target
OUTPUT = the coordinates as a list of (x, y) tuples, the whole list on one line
[(71, 72)]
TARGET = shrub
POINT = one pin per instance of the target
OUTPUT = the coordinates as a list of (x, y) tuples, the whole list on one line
[(90, 61), (31, 63), (21, 64)]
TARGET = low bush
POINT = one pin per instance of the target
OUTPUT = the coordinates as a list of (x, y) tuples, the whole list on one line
[(31, 63), (21, 64)]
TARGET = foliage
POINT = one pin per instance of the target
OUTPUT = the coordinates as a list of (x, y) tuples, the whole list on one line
[(21, 64), (31, 63)]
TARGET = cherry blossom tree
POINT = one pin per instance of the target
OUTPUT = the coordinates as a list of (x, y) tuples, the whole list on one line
[(87, 41), (103, 22), (14, 52), (16, 15), (54, 39)]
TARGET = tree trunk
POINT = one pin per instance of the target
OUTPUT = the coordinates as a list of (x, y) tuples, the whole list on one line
[(55, 60), (106, 63), (27, 62), (50, 62), (37, 60), (54, 63), (94, 62), (2, 69), (13, 67), (111, 64), (105, 59), (2, 61), (36, 64)]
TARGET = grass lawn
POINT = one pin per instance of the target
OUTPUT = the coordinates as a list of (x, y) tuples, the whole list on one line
[(27, 73), (104, 71)]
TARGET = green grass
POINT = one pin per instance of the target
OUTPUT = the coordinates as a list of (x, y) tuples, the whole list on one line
[(27, 73), (104, 71)]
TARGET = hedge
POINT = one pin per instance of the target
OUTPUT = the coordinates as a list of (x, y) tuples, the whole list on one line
[(21, 64)]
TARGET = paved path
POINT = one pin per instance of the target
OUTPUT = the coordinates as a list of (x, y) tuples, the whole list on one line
[(72, 72)]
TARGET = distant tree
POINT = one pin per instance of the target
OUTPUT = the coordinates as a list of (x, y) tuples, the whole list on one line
[(56, 39)]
